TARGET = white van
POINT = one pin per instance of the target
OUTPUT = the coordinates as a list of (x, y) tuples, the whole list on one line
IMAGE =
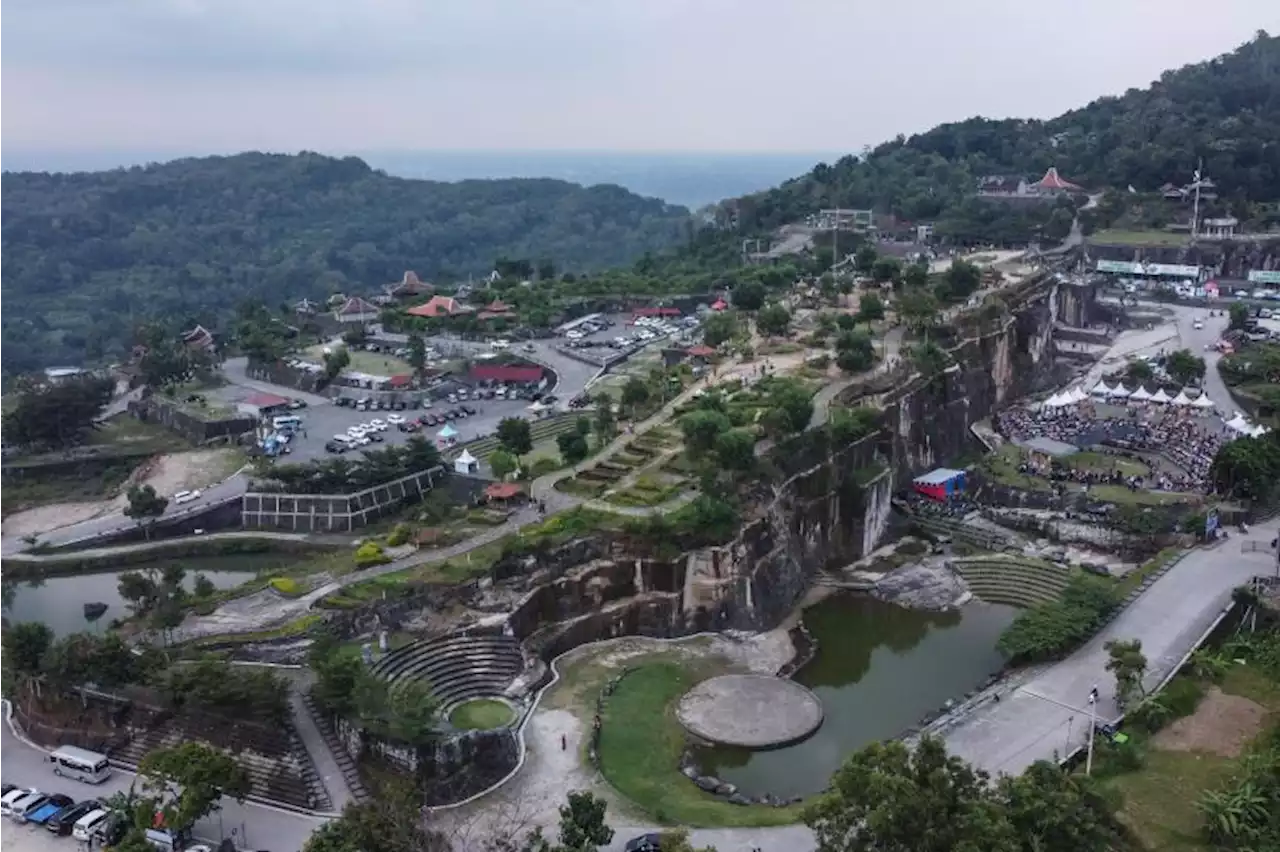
[(291, 421), (88, 825), (11, 798), (80, 764)]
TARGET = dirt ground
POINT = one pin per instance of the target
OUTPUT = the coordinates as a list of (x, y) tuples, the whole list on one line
[(168, 474), (1222, 725)]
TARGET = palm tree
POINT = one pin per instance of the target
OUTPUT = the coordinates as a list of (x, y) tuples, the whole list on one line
[(1207, 665), (1235, 815)]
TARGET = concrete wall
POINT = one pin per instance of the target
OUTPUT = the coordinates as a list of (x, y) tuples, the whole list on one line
[(159, 410), (331, 513), (1224, 258)]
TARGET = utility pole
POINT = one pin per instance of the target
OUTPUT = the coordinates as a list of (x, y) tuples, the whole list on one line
[(1091, 712), (1195, 210)]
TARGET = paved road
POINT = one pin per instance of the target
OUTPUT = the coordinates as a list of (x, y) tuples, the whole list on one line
[(256, 826), (1168, 618)]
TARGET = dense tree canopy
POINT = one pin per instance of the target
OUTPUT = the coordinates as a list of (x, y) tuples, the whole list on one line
[(1224, 110), (86, 255)]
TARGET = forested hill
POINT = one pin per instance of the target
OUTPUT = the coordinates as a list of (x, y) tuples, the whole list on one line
[(87, 256), (1226, 111)]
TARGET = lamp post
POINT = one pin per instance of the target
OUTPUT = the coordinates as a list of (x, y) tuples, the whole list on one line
[(1090, 711)]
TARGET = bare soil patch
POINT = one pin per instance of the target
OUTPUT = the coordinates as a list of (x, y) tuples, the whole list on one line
[(42, 519), (1223, 725)]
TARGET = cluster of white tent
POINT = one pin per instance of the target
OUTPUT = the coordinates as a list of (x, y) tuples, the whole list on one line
[(1102, 389), (1241, 426)]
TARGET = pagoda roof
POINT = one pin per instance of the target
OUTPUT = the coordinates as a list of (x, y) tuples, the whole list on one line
[(1053, 180)]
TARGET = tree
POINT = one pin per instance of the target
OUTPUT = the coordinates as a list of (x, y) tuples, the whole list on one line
[(138, 590), (338, 678), (145, 505), (635, 393), (1248, 468), (546, 270), (854, 351), (582, 825), (773, 320), (203, 587), (25, 645), (846, 322), (356, 335), (918, 308), (335, 361), (391, 822), (189, 781), (515, 435), (606, 421), (1056, 811), (1139, 371), (886, 269), (794, 402), (412, 710), (736, 449), (417, 352), (865, 259), (887, 798), (1127, 662), (1184, 367), (573, 447), (748, 296), (870, 308), (701, 428), (56, 415), (503, 464), (963, 279), (1239, 313), (677, 840), (719, 328), (916, 276)]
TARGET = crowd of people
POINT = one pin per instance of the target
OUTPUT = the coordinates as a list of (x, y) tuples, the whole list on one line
[(1186, 440)]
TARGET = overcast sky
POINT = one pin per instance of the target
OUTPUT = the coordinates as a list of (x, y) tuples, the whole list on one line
[(203, 76)]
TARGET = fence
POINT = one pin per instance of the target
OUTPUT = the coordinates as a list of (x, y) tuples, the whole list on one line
[(331, 513)]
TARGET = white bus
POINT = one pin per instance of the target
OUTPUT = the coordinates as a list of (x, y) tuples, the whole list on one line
[(286, 422), (80, 764)]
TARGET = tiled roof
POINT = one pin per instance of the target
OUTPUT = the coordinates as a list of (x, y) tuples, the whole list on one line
[(355, 306), (505, 373), (439, 306)]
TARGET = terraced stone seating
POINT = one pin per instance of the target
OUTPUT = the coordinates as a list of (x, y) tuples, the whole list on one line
[(279, 768), (458, 667), (1014, 581)]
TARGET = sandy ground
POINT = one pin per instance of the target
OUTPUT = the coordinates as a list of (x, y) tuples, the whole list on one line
[(1222, 725), (168, 474)]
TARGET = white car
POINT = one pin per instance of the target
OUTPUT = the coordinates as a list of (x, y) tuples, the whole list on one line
[(378, 425), (1198, 324), (500, 344), (185, 497), (394, 419), (12, 797), (18, 807)]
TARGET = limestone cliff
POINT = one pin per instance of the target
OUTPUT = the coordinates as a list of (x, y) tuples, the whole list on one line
[(1224, 258)]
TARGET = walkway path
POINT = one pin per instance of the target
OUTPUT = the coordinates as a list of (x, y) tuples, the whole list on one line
[(142, 546), (1168, 618)]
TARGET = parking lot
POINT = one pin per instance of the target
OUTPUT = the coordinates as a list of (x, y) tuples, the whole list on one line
[(320, 423), (613, 335)]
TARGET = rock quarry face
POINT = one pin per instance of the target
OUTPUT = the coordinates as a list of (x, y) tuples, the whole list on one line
[(1225, 258)]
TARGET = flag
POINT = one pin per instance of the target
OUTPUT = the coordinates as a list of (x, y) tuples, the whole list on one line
[(1196, 176)]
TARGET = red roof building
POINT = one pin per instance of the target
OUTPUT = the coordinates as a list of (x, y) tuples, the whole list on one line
[(1053, 182), (526, 373), (439, 306), (495, 309), (357, 309), (719, 305), (700, 352), (502, 491), (400, 381), (198, 338), (409, 286)]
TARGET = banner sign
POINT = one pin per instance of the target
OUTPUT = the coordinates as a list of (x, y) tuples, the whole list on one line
[(1172, 270), (1264, 276)]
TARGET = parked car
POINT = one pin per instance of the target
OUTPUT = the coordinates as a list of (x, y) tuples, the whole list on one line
[(411, 426), (29, 805), (64, 820), (295, 404), (395, 419), (334, 447), (469, 409), (11, 799), (53, 805), (644, 843), (186, 497)]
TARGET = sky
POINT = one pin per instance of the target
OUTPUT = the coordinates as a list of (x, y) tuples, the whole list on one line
[(214, 76)]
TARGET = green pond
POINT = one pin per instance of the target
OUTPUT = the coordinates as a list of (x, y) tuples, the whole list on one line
[(59, 601), (879, 669)]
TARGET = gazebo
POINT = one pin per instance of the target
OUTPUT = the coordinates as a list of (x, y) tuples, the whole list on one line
[(1120, 392), (447, 436), (1141, 394), (466, 464), (1101, 389), (1160, 396), (503, 492)]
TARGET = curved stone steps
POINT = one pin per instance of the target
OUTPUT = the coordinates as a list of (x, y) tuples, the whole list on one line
[(458, 667), (1009, 581)]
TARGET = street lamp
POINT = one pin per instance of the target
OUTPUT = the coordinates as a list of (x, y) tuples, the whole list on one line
[(1091, 711)]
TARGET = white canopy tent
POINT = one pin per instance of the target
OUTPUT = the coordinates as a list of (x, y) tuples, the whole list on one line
[(1141, 394), (1078, 394), (1055, 401), (1119, 392), (1160, 396), (1101, 389), (1181, 398), (1202, 401), (1239, 424), (1258, 431), (466, 463)]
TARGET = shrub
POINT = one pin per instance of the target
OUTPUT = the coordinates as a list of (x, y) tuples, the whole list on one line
[(370, 553), (1053, 629), (543, 466), (286, 586), (400, 535)]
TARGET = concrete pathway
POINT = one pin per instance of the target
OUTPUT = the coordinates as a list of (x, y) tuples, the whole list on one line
[(142, 546), (1009, 735), (326, 766)]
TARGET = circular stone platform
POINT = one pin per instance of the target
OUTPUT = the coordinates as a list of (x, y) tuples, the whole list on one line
[(750, 711)]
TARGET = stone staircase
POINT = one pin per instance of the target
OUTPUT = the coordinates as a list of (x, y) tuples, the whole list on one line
[(458, 667), (350, 772)]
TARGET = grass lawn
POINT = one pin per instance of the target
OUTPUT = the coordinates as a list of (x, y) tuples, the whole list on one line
[(647, 491), (1002, 466), (1160, 799), (373, 363), (481, 714), (640, 746), (1138, 238), (1103, 462)]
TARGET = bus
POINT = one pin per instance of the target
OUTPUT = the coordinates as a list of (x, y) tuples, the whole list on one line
[(290, 422), (80, 764)]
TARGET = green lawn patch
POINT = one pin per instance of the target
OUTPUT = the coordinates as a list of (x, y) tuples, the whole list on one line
[(287, 586), (1135, 578), (647, 491), (640, 746), (374, 363), (481, 714), (297, 627), (1102, 462), (1138, 238)]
